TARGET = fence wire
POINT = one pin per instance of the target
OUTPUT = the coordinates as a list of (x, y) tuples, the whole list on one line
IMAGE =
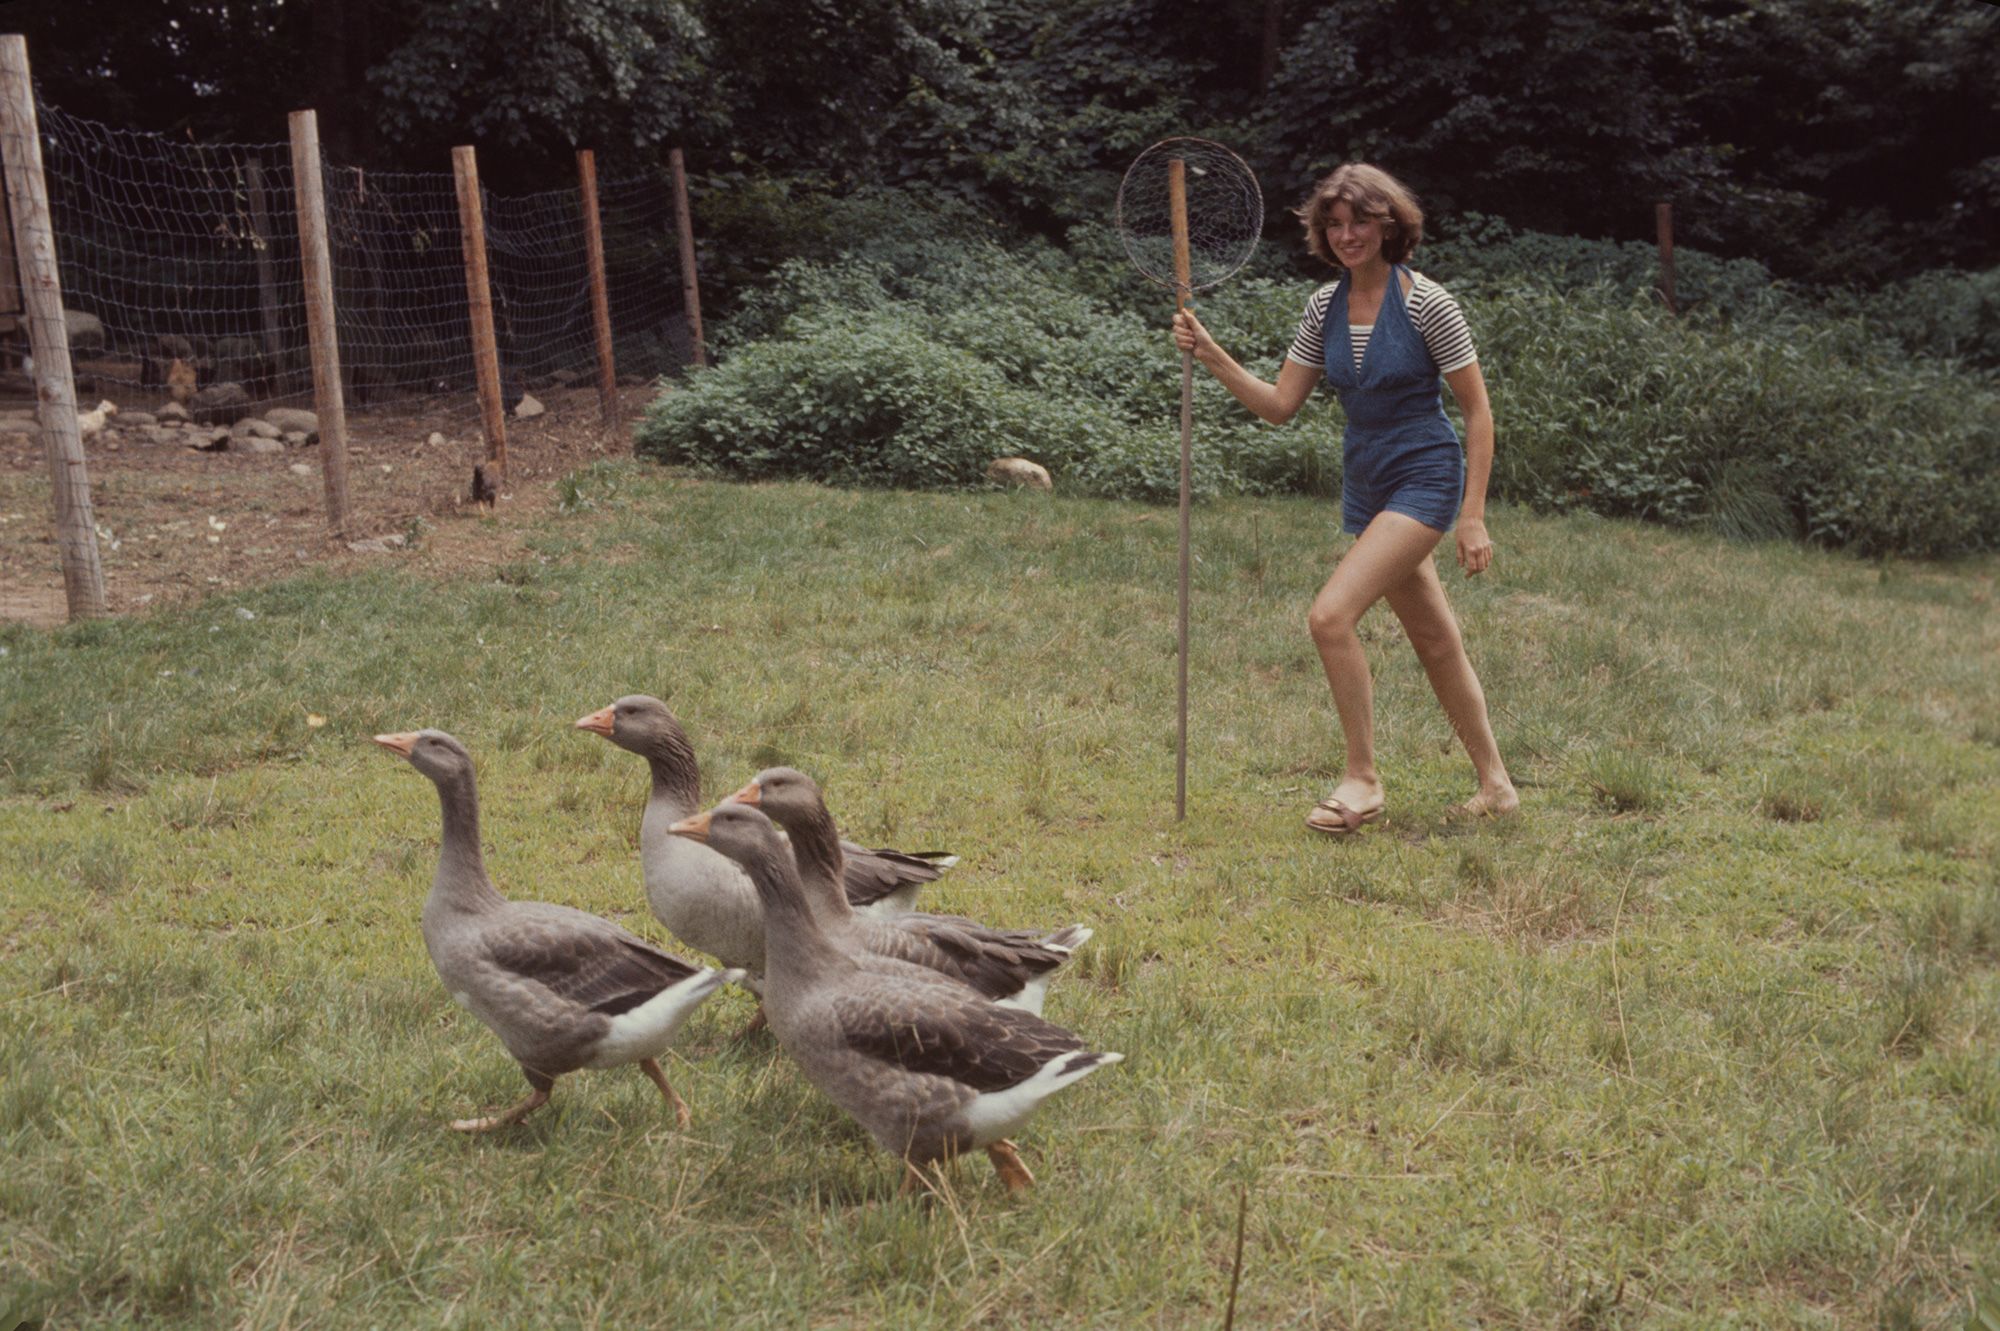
[(180, 263)]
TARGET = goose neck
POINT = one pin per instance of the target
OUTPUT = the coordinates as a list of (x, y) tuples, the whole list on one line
[(461, 872)]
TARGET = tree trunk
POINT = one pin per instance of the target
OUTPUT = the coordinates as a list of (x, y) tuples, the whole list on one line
[(1267, 59), (331, 89)]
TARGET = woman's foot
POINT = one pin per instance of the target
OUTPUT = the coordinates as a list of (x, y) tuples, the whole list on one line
[(1353, 803), (1491, 802)]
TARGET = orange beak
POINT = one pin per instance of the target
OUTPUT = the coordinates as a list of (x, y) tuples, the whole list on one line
[(694, 827), (400, 743), (598, 722), (751, 794)]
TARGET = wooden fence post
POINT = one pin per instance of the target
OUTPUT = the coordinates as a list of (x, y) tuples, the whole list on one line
[(479, 304), (267, 281), (1663, 220), (316, 272), (48, 335), (600, 299), (684, 223)]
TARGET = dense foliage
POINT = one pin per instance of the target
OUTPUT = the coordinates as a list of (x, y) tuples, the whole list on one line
[(1833, 140), (926, 354)]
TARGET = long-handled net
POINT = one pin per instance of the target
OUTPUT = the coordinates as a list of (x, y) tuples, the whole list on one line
[(1189, 212)]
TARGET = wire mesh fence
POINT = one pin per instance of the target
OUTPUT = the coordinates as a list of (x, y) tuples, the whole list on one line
[(181, 265)]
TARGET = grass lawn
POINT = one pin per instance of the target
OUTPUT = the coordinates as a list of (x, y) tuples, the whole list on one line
[(1709, 1035)]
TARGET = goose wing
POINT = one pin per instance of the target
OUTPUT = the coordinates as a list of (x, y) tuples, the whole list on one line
[(874, 875), (947, 1030), (583, 959)]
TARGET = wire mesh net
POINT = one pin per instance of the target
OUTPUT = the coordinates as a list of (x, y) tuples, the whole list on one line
[(1225, 211), (183, 260)]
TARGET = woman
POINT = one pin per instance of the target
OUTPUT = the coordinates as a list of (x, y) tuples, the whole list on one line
[(1404, 476)]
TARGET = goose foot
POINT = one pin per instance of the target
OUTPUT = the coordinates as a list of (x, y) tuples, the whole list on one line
[(652, 1069), (505, 1119), (1007, 1163)]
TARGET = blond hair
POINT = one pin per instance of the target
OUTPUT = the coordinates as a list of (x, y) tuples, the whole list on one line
[(1368, 191)]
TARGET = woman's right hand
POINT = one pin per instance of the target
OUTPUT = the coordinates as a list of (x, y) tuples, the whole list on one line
[(1189, 335)]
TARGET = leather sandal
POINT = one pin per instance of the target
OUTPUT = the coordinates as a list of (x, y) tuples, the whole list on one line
[(1350, 820)]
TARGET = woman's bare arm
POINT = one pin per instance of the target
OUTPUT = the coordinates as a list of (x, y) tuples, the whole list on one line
[(1276, 403), (1475, 547)]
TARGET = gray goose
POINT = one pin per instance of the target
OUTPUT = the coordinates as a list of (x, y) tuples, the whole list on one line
[(1009, 966), (930, 1068), (706, 900), (563, 989)]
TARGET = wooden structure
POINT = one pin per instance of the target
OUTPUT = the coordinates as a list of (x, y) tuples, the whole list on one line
[(479, 303), (684, 223), (1663, 220), (1183, 297), (600, 298), (40, 292), (316, 270)]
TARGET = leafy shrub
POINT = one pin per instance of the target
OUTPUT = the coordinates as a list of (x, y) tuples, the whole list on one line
[(1942, 313), (933, 349), (1483, 256), (919, 367), (1804, 427)]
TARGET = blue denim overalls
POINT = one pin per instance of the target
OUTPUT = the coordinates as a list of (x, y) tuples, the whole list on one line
[(1398, 452)]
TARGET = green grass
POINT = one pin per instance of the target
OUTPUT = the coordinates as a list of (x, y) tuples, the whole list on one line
[(1710, 1035)]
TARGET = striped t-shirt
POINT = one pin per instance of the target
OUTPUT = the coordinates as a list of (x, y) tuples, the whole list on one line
[(1432, 310)]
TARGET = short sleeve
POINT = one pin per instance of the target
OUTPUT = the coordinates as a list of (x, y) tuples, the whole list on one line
[(1309, 345), (1442, 324)]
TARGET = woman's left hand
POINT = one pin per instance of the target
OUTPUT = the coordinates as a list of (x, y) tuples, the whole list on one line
[(1475, 547)]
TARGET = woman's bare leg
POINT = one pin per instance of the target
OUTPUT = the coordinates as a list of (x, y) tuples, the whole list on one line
[(1420, 603), (1383, 556)]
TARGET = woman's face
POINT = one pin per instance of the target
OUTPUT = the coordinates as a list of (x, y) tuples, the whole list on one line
[(1354, 240)]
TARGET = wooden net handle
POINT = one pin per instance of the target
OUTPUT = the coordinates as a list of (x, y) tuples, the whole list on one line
[(1177, 206)]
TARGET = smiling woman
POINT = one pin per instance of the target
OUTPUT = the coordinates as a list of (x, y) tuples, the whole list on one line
[(1404, 476)]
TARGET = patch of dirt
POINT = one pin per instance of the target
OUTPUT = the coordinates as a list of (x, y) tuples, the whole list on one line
[(175, 523)]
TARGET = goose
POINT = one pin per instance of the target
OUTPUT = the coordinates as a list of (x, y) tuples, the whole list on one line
[(929, 1067), (1010, 966), (702, 897), (563, 989)]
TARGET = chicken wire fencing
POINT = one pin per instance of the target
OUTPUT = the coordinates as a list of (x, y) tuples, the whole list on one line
[(180, 268)]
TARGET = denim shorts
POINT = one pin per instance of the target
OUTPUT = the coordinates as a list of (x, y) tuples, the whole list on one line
[(1428, 485)]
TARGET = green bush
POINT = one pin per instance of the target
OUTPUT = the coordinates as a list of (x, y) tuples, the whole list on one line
[(1806, 428), (1942, 313), (919, 367), (933, 349)]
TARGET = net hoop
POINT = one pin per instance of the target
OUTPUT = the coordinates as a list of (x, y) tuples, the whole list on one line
[(1225, 212)]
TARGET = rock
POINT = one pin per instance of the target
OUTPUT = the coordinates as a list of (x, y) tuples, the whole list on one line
[(528, 406), (86, 331), (262, 429), (161, 435), (135, 420), (237, 357), (289, 419), (218, 404), (300, 469), (1019, 471), (175, 347), (435, 441), (255, 443), (564, 377), (295, 439), (376, 545), (18, 423), (216, 439), (172, 411)]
